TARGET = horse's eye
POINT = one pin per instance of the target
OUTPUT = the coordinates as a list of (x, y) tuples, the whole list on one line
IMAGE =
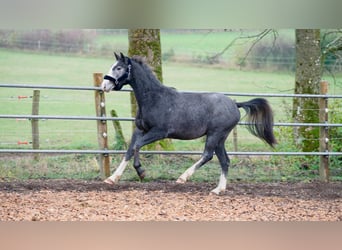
[(118, 68)]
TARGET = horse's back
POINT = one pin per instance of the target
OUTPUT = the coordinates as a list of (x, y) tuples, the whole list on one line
[(196, 114)]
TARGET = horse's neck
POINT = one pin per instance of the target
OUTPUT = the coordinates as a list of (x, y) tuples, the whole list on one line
[(143, 87), (143, 94)]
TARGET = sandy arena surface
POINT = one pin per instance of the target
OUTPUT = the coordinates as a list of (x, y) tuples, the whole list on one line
[(75, 200)]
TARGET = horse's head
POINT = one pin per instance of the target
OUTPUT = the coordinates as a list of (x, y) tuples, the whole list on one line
[(118, 75)]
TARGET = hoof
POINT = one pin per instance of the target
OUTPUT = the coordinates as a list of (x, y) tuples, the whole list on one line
[(141, 172), (142, 175), (181, 180), (109, 181), (216, 191)]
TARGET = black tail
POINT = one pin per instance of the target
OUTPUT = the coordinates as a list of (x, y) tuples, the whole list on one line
[(260, 119)]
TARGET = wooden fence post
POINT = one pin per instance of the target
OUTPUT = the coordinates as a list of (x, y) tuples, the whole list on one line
[(35, 122), (102, 136), (323, 133)]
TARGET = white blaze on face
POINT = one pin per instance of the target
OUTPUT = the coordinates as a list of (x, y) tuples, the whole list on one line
[(107, 85)]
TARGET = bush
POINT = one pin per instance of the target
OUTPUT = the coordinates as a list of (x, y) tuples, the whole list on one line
[(73, 40), (205, 59), (335, 133), (6, 37), (278, 55), (48, 40), (168, 55)]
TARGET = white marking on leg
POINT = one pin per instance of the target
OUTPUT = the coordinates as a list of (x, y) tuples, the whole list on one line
[(117, 174), (221, 186), (190, 171)]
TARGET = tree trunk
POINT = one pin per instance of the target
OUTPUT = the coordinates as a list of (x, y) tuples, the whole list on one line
[(307, 81), (146, 43)]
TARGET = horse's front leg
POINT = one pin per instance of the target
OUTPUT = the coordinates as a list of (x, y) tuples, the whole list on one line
[(137, 165), (147, 138), (115, 177)]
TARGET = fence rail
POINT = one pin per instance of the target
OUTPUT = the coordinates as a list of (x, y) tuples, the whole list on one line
[(174, 152), (101, 118), (106, 118), (63, 117), (32, 86)]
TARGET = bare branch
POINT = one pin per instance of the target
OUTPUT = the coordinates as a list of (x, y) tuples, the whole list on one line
[(333, 46), (256, 38)]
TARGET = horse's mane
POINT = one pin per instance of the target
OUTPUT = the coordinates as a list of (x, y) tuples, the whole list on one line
[(142, 62), (139, 59)]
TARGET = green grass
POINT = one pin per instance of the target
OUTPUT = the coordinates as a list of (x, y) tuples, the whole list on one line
[(243, 169), (72, 70), (31, 68), (49, 167)]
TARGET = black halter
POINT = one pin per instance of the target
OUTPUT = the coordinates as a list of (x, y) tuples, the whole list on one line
[(126, 76)]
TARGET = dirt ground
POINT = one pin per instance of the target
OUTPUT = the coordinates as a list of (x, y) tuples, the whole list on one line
[(75, 200)]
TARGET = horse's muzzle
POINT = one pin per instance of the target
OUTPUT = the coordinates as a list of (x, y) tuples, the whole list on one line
[(110, 84)]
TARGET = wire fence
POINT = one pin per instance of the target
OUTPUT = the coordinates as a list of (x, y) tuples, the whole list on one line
[(102, 119)]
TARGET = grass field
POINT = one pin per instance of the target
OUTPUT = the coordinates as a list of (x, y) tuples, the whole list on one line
[(68, 70), (28, 68)]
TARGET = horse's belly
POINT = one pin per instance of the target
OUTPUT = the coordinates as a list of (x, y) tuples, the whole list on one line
[(187, 134)]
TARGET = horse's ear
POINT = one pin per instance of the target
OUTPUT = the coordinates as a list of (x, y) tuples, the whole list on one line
[(116, 56), (124, 58)]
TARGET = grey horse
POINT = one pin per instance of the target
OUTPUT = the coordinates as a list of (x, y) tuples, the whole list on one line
[(163, 112)]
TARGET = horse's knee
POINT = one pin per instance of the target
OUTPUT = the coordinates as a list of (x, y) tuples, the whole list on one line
[(129, 154), (208, 156)]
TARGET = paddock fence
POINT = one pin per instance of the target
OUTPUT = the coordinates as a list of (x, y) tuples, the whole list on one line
[(101, 119)]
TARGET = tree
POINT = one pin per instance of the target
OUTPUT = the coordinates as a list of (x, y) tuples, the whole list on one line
[(307, 81), (309, 68), (146, 43)]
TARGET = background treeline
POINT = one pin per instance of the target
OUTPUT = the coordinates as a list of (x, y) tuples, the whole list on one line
[(71, 41), (268, 53)]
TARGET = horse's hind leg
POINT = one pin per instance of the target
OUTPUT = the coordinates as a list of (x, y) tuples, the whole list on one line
[(115, 177), (224, 162), (213, 143), (207, 156), (129, 154), (191, 170)]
